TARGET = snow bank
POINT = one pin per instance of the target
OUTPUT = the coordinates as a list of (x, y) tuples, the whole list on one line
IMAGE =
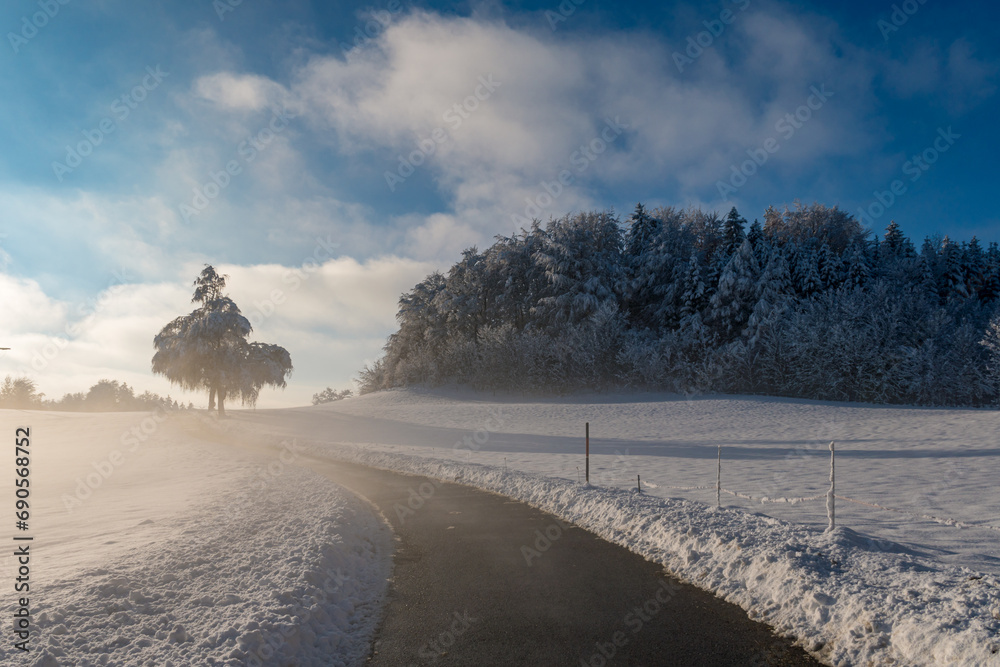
[(223, 556)]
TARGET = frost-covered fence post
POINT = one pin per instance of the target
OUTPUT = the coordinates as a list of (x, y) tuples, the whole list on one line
[(718, 481), (587, 431), (638, 482), (830, 495)]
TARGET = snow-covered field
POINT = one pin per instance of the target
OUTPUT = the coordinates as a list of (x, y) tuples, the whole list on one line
[(154, 546), (889, 586), (208, 542)]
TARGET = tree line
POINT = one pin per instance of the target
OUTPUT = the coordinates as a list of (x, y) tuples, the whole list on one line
[(807, 303), (104, 396)]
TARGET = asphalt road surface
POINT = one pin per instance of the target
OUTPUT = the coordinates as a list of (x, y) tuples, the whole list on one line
[(482, 580)]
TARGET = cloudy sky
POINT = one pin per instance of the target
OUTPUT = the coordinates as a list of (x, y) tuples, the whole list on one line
[(327, 155)]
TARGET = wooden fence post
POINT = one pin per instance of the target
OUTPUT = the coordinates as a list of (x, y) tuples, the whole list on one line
[(831, 510), (718, 481)]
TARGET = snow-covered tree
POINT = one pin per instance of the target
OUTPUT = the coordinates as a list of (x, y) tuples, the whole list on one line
[(774, 292), (694, 298), (329, 395), (208, 348), (831, 267), (582, 261), (642, 232), (974, 267), (952, 278), (893, 243), (755, 234), (858, 271), (991, 341), (807, 275), (736, 295), (733, 232)]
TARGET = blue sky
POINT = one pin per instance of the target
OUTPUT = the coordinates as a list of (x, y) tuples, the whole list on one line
[(321, 111)]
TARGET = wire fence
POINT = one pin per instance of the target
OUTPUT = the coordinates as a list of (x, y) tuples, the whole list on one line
[(828, 496)]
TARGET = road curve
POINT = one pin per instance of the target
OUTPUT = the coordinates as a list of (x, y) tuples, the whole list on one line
[(483, 580)]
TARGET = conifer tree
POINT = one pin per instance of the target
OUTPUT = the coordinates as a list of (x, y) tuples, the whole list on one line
[(733, 232), (734, 300)]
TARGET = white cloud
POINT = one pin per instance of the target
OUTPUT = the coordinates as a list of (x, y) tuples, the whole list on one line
[(246, 92), (27, 308), (119, 235), (544, 98), (341, 296)]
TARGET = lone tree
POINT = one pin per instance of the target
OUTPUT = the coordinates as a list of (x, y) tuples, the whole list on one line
[(208, 349)]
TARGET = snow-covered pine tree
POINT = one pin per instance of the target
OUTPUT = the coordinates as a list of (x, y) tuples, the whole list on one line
[(518, 277), (642, 232), (648, 264), (733, 232), (807, 277), (668, 269), (858, 270), (736, 295), (756, 233), (831, 267), (991, 341), (951, 284), (582, 261), (991, 286), (694, 298), (927, 281), (774, 290), (993, 255), (991, 280), (757, 361), (974, 267), (893, 241)]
